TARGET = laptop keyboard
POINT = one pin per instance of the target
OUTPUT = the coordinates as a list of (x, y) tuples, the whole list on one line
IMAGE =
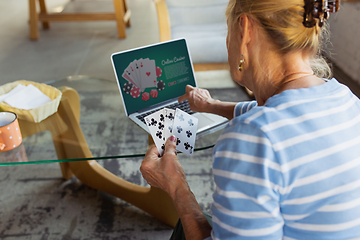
[(184, 105)]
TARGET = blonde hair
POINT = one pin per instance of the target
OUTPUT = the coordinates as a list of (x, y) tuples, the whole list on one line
[(282, 20)]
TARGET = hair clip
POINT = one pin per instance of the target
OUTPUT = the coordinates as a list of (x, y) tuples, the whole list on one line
[(318, 9)]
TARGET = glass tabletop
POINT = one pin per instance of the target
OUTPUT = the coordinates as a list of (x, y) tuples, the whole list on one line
[(108, 132)]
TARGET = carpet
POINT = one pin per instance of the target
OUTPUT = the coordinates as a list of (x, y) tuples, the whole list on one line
[(36, 203)]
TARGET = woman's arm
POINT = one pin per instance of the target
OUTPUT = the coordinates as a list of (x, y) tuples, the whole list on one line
[(167, 174), (200, 100), (194, 223)]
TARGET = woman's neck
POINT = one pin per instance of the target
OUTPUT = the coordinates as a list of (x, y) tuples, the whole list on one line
[(277, 73)]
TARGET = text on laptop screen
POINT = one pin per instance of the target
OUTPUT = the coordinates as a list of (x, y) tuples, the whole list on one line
[(153, 74)]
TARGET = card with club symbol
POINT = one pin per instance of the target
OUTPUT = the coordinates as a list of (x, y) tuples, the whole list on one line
[(169, 120), (184, 128), (166, 122), (155, 123)]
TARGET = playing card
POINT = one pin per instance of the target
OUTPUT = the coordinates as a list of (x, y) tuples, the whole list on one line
[(169, 121), (184, 129), (147, 73), (130, 72), (155, 123), (136, 70), (125, 75)]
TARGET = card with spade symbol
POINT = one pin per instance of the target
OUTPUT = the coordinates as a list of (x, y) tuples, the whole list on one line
[(155, 123), (184, 128)]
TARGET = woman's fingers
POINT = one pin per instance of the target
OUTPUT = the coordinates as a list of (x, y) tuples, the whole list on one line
[(189, 88), (165, 172), (170, 146), (186, 96), (152, 153)]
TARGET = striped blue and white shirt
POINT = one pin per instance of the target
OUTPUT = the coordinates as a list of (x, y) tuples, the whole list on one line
[(290, 169)]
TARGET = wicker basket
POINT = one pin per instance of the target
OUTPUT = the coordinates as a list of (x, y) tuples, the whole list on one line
[(36, 114)]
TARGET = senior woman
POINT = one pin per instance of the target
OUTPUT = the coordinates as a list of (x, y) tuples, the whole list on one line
[(288, 165)]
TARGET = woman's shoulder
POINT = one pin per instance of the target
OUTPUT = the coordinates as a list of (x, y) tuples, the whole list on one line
[(330, 88), (290, 105), (248, 124)]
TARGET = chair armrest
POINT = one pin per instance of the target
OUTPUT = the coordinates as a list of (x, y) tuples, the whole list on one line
[(72, 144), (163, 19)]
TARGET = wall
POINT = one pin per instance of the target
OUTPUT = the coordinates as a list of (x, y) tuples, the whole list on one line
[(345, 39)]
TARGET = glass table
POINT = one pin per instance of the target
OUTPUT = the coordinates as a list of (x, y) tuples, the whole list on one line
[(91, 125), (107, 130)]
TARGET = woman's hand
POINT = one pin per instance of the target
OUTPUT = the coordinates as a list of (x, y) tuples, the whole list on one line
[(199, 99), (167, 174), (164, 172)]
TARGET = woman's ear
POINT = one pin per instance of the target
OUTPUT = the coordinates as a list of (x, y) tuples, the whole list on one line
[(245, 27), (244, 33)]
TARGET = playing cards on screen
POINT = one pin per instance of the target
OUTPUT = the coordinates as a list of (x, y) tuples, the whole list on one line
[(153, 74), (142, 74)]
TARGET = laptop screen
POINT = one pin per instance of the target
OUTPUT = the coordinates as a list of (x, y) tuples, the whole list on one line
[(153, 74)]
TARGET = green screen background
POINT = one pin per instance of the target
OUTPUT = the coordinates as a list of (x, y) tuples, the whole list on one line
[(158, 52)]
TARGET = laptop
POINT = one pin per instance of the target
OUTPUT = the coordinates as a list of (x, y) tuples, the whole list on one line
[(154, 77)]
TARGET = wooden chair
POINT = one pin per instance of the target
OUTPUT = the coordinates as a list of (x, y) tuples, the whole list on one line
[(70, 143), (173, 21), (121, 16)]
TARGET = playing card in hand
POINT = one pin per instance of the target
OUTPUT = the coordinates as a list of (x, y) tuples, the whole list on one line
[(184, 128), (155, 123), (169, 121)]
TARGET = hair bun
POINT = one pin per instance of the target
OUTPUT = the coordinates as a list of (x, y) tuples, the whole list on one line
[(318, 9)]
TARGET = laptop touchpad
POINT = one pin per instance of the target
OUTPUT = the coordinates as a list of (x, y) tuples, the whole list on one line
[(203, 120)]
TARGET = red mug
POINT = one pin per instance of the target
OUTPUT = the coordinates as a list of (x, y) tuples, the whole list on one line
[(10, 135)]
